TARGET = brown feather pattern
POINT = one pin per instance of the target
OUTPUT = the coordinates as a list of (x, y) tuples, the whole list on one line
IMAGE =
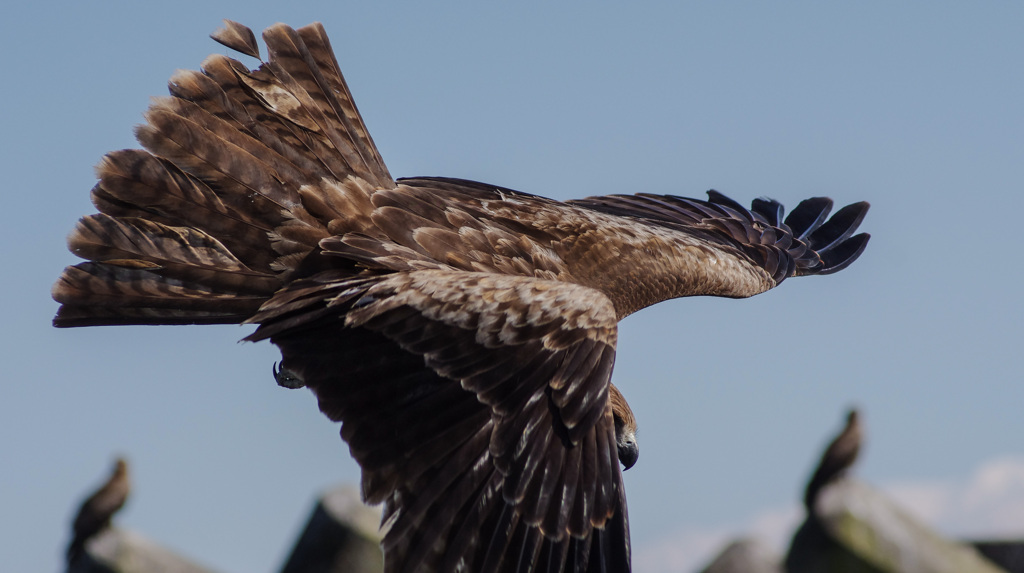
[(466, 328), (238, 38), (464, 334)]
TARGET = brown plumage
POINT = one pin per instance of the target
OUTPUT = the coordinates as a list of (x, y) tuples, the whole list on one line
[(463, 333), (95, 513), (837, 459)]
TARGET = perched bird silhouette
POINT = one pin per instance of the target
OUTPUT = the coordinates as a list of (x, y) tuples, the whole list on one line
[(837, 459), (463, 333), (96, 511)]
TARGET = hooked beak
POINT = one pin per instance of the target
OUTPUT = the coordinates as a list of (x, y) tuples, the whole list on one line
[(629, 450)]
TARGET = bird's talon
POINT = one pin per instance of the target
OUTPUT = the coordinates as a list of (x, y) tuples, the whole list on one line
[(286, 378)]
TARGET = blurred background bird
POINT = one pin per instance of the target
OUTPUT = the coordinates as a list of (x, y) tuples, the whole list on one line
[(96, 511), (839, 456)]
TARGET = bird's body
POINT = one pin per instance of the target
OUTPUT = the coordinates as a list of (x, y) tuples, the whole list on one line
[(96, 511), (837, 458), (463, 333)]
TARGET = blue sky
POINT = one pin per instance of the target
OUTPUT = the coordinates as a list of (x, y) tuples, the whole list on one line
[(915, 108)]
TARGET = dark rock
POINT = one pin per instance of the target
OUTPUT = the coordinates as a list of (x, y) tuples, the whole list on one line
[(813, 550), (342, 536), (745, 556), (855, 529), (119, 551), (1007, 554)]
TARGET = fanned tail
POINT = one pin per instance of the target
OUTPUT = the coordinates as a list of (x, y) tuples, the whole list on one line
[(207, 222)]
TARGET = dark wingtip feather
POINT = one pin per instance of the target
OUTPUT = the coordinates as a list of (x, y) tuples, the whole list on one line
[(839, 227), (720, 199), (842, 255), (808, 216), (237, 37), (770, 209)]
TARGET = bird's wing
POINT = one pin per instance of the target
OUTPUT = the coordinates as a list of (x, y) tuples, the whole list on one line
[(806, 242), (477, 406), (199, 226), (636, 249)]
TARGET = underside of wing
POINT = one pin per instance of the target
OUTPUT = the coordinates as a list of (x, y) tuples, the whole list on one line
[(638, 250), (476, 405), (806, 242)]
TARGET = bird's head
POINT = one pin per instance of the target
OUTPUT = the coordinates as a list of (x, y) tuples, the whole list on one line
[(625, 428), (120, 466), (852, 417)]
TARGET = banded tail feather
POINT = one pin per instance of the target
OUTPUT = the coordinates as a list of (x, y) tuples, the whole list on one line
[(206, 223)]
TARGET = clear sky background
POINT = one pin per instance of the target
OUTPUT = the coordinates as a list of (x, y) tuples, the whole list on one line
[(917, 108)]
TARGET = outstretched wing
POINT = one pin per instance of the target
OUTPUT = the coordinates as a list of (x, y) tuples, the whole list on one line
[(201, 225), (636, 249), (807, 242), (476, 405)]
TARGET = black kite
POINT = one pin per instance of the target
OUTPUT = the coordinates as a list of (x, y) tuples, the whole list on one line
[(463, 333)]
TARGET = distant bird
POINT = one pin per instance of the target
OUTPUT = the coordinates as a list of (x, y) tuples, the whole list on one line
[(96, 511), (837, 459), (463, 333)]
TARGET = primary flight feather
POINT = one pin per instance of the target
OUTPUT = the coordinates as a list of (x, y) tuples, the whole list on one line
[(463, 333)]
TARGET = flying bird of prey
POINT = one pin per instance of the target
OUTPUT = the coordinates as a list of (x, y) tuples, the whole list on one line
[(463, 333), (96, 511), (837, 459)]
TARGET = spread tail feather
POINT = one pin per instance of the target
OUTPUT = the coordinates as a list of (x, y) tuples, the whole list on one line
[(204, 224)]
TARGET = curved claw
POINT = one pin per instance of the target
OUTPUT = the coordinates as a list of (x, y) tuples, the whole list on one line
[(286, 378)]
